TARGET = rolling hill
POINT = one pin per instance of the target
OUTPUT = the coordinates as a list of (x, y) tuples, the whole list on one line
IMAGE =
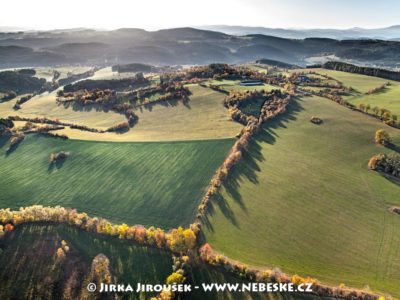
[(304, 200)]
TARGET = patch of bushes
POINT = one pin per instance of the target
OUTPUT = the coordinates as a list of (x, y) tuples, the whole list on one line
[(9, 96), (316, 120), (382, 137), (378, 89), (54, 135), (24, 99), (16, 139), (55, 122), (386, 163), (5, 125), (395, 210), (177, 240), (120, 127), (58, 156)]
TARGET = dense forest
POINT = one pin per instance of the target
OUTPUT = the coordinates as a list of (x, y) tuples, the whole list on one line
[(345, 67)]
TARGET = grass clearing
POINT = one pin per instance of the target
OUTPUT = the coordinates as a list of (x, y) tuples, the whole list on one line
[(361, 83), (156, 184), (203, 117), (388, 98), (44, 105), (304, 200)]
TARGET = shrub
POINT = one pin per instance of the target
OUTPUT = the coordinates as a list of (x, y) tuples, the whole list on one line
[(175, 278), (5, 126), (180, 240), (9, 96), (120, 127), (316, 120), (386, 163), (9, 227), (16, 139), (382, 137), (59, 156)]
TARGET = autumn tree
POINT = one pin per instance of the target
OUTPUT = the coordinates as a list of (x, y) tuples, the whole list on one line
[(181, 240), (9, 227), (101, 269), (382, 137), (386, 115), (175, 278), (60, 253)]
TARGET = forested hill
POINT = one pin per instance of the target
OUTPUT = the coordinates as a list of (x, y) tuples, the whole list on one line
[(180, 46)]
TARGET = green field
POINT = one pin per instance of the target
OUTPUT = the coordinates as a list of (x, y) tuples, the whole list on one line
[(28, 268), (361, 83), (156, 184), (304, 200), (388, 98)]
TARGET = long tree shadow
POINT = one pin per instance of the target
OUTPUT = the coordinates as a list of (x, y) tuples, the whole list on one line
[(391, 178), (3, 141), (393, 147), (248, 169), (56, 165), (12, 148)]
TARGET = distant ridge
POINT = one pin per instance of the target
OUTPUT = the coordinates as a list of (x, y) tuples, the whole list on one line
[(183, 46), (387, 33)]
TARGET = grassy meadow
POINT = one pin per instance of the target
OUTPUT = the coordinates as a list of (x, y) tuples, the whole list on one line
[(304, 200), (45, 105), (156, 184), (389, 98), (360, 83), (203, 117)]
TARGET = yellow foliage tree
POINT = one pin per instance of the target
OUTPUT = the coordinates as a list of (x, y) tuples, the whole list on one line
[(175, 278), (382, 137), (181, 240), (122, 230)]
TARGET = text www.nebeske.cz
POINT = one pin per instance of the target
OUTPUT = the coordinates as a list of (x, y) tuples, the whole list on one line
[(206, 287)]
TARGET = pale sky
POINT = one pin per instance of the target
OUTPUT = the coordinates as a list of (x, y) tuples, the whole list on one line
[(156, 14)]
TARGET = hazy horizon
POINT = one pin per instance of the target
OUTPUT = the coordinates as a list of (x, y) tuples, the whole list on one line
[(154, 15)]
